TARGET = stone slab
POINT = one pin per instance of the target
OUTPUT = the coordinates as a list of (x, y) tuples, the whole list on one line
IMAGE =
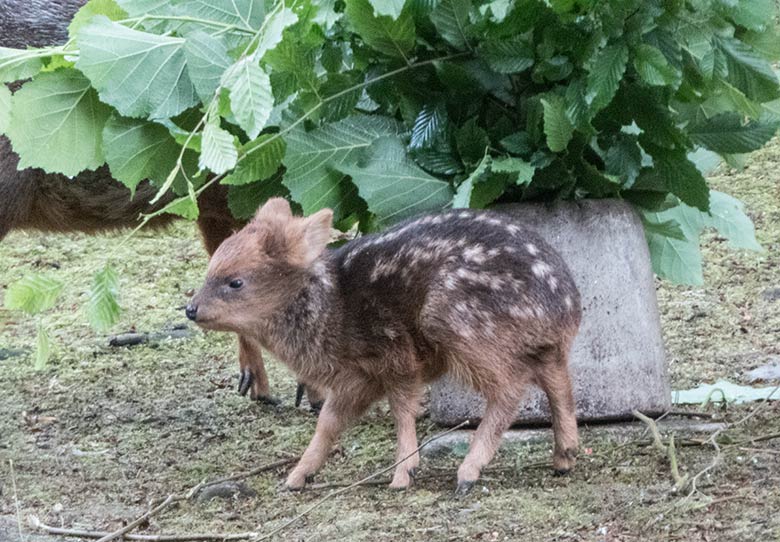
[(456, 443), (618, 362)]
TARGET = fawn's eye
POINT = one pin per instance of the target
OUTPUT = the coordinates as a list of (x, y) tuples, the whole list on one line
[(236, 284)]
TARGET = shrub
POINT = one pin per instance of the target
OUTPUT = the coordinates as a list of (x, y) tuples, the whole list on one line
[(381, 109)]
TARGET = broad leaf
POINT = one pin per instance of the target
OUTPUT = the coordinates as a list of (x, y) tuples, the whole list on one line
[(17, 64), (313, 158), (219, 153), (392, 8), (259, 159), (103, 309), (109, 8), (605, 73), (273, 28), (451, 19), (207, 59), (429, 124), (748, 72), (462, 196), (5, 108), (682, 178), (391, 37), (652, 66), (185, 207), (393, 186), (727, 133), (33, 294), (250, 95), (675, 260), (727, 215), (137, 150), (512, 55), (57, 123), (140, 74), (522, 171), (557, 126), (472, 141)]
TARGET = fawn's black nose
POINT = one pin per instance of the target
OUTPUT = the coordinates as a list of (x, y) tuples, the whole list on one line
[(191, 311)]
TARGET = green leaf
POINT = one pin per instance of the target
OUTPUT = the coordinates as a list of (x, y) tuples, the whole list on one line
[(674, 259), (511, 55), (748, 72), (523, 171), (451, 19), (251, 99), (462, 198), (43, 347), (557, 126), (137, 150), (313, 159), (605, 72), (340, 93), (219, 153), (623, 159), (393, 186), (393, 38), (245, 14), (727, 215), (244, 200), (5, 108), (430, 123), (472, 141), (185, 207), (140, 74), (682, 177), (326, 13), (727, 133), (274, 27), (57, 123), (678, 260), (752, 14), (109, 8), (18, 64), (103, 309), (33, 294), (207, 60), (259, 159), (392, 8), (652, 66), (669, 228)]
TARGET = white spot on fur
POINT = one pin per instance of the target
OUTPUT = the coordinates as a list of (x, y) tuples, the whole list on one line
[(474, 254), (553, 282), (512, 229), (531, 248), (540, 268), (567, 300)]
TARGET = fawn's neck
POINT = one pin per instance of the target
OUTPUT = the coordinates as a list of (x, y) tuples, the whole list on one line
[(302, 333)]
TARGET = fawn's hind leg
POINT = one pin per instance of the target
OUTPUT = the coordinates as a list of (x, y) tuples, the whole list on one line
[(553, 377), (336, 414), (404, 404), (500, 411)]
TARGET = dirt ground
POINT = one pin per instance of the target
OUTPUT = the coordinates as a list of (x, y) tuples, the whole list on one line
[(87, 442)]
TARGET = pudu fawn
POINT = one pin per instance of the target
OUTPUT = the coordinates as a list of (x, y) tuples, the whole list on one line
[(465, 292)]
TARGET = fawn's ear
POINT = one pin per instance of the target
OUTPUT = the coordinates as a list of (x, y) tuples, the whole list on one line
[(316, 234), (273, 208)]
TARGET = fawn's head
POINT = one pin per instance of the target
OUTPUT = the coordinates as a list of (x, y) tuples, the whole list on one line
[(254, 273)]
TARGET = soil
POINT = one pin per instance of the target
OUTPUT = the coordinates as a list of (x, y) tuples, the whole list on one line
[(89, 440)]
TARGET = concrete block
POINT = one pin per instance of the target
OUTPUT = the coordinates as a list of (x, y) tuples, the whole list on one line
[(618, 362)]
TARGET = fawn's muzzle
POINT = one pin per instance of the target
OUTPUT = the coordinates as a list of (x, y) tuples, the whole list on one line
[(191, 311)]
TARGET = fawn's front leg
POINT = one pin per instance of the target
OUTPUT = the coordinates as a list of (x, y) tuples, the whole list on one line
[(404, 403), (252, 377), (340, 408)]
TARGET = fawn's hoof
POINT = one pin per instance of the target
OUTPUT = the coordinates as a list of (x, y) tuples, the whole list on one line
[(267, 400), (296, 482), (464, 487), (563, 462), (244, 381), (403, 479)]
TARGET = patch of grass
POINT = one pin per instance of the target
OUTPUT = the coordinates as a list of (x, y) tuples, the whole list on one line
[(103, 430)]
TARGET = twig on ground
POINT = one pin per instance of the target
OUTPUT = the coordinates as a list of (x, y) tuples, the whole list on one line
[(135, 523), (360, 482), (77, 533), (16, 501), (669, 451)]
